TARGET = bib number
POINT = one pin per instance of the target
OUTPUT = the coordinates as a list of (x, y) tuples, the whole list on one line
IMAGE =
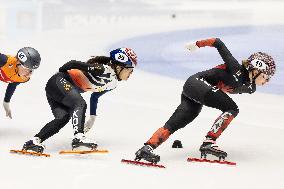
[(22, 57), (121, 57), (259, 64)]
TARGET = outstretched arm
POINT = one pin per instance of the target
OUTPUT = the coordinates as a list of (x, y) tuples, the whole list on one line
[(192, 46), (10, 91), (93, 111), (94, 101), (226, 55), (97, 69), (8, 95)]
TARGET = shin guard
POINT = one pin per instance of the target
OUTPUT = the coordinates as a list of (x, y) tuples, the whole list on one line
[(160, 136), (220, 124)]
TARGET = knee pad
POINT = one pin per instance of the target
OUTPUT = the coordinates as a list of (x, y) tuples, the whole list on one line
[(234, 111), (231, 108)]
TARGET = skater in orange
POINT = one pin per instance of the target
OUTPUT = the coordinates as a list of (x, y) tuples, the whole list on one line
[(16, 70)]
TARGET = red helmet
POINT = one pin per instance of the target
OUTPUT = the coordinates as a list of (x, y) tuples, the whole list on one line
[(262, 62)]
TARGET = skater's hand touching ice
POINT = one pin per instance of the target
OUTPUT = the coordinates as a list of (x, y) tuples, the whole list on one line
[(7, 109), (90, 123)]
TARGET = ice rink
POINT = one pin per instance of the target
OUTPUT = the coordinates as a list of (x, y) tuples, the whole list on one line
[(157, 30)]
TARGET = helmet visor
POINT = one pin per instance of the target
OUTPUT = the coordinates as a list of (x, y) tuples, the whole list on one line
[(26, 68)]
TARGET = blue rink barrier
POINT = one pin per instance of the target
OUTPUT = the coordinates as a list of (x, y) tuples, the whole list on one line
[(164, 53)]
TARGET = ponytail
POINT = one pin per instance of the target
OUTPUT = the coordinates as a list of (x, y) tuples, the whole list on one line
[(99, 60)]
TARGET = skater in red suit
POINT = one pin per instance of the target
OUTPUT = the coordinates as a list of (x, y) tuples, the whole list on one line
[(16, 70), (209, 88)]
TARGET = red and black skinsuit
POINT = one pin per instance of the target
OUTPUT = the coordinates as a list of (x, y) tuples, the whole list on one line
[(208, 88)]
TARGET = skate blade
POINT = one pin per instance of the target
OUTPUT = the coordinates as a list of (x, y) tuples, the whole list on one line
[(210, 161), (205, 154), (147, 164), (24, 152), (83, 151), (83, 148)]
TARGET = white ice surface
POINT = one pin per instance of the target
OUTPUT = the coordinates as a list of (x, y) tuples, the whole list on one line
[(127, 118)]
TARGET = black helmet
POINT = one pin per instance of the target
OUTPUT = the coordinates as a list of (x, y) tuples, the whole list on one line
[(29, 57)]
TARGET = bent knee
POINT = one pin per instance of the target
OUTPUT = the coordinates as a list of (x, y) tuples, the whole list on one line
[(234, 111), (81, 103), (62, 120), (232, 108)]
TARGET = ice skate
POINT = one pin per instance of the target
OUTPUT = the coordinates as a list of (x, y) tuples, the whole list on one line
[(80, 142), (34, 145), (146, 153), (209, 147)]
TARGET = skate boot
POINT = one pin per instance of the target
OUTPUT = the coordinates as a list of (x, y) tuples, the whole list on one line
[(209, 146), (146, 153), (34, 145), (80, 140)]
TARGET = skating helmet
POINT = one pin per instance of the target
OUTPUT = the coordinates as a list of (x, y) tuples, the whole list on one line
[(124, 56), (29, 57), (262, 62)]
